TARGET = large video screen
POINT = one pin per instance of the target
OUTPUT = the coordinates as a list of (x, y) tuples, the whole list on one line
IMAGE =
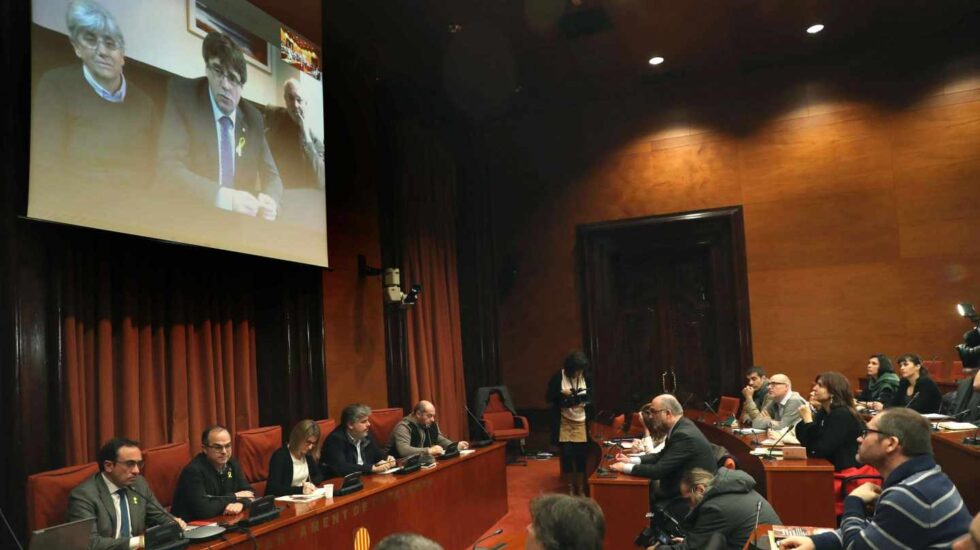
[(195, 121)]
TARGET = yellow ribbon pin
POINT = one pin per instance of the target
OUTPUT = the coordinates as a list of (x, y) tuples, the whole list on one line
[(240, 146)]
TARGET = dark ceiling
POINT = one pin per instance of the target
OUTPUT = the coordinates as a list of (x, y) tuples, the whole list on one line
[(497, 47)]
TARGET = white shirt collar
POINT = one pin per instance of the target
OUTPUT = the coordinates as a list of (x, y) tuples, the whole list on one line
[(217, 112), (786, 398), (115, 97), (109, 484)]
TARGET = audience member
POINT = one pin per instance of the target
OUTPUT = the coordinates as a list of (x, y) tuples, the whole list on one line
[(917, 507), (350, 447), (685, 448), (832, 432), (723, 502), (562, 522), (407, 541), (212, 473), (418, 433), (570, 395), (756, 393), (647, 445), (295, 468), (118, 482), (916, 390), (783, 408), (882, 382)]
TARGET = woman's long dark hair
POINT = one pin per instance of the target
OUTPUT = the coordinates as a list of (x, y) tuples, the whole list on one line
[(840, 393), (884, 364)]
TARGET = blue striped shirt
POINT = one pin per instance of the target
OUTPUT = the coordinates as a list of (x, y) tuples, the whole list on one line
[(919, 507)]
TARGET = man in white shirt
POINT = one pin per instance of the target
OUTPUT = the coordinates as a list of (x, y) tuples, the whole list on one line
[(117, 498)]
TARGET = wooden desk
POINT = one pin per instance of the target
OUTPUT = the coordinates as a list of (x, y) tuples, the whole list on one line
[(961, 463), (801, 491), (453, 504)]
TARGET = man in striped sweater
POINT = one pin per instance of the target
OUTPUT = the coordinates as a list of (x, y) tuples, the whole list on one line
[(917, 507)]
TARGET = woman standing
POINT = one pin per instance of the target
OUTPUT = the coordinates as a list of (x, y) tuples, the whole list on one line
[(570, 394), (917, 390), (882, 382), (294, 469)]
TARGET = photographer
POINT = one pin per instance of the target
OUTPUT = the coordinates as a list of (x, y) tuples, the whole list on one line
[(725, 503), (570, 394)]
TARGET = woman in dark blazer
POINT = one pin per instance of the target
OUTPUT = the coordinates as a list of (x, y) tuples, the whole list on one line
[(294, 469), (916, 390), (832, 432), (570, 394)]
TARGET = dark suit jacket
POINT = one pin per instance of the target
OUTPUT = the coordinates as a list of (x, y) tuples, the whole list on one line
[(199, 478), (340, 455), (187, 151), (281, 473), (91, 499), (686, 448)]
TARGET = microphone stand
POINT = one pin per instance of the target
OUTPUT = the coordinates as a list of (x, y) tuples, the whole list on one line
[(481, 539), (758, 510), (713, 411), (909, 404), (478, 423), (168, 540), (773, 446), (11, 529)]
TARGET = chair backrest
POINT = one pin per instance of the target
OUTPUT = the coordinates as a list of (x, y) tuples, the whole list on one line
[(636, 425), (327, 425), (161, 468), (383, 421), (254, 448), (495, 404), (938, 370), (47, 494), (957, 371), (727, 408)]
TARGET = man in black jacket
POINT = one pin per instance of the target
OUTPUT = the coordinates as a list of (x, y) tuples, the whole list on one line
[(684, 449), (350, 448), (723, 502), (212, 473)]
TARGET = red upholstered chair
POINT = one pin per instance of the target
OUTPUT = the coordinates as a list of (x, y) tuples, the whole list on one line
[(938, 370), (161, 468), (636, 426), (47, 494), (503, 425), (728, 409), (957, 370), (254, 448), (847, 480), (383, 421), (327, 425)]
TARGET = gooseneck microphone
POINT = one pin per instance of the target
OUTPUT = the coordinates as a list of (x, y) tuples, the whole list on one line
[(169, 536), (773, 446), (483, 538), (758, 510), (478, 423), (714, 412), (153, 501), (11, 529), (909, 404)]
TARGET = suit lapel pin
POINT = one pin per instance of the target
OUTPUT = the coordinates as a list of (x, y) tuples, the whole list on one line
[(241, 145)]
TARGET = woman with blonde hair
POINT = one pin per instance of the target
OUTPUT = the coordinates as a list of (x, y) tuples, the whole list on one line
[(294, 468)]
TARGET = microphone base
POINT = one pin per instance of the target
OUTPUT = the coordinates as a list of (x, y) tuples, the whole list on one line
[(971, 440)]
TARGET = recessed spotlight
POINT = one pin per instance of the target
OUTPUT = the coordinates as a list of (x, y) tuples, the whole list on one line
[(656, 60), (814, 29)]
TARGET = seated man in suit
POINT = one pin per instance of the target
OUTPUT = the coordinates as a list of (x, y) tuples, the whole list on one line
[(418, 433), (756, 393), (212, 483), (350, 448), (783, 410), (212, 144), (117, 498), (685, 448)]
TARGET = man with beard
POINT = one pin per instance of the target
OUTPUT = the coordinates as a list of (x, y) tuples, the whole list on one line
[(350, 448), (418, 433), (685, 448), (756, 393), (298, 152), (724, 502), (917, 504)]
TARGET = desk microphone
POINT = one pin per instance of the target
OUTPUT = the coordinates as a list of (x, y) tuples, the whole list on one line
[(773, 446), (713, 411), (478, 423), (9, 528), (935, 425), (494, 534), (907, 405), (171, 538), (755, 536), (688, 398)]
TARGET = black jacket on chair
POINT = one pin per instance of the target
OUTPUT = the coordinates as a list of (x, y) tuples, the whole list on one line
[(340, 456)]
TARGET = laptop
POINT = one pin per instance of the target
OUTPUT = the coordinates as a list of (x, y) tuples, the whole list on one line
[(67, 536)]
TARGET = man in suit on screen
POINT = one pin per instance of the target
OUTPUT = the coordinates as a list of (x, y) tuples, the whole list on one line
[(212, 145), (117, 498)]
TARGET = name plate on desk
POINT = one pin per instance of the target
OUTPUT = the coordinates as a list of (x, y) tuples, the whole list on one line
[(794, 453)]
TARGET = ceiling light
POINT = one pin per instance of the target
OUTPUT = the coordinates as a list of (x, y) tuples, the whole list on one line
[(656, 60), (814, 29)]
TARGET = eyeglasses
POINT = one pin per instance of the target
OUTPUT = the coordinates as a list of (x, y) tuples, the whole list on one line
[(777, 383), (220, 73), (92, 41), (130, 464), (866, 431), (216, 447)]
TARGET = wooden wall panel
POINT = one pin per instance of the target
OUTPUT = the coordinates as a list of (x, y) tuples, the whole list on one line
[(860, 201)]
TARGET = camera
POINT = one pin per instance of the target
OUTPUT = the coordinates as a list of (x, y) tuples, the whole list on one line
[(578, 397), (662, 530)]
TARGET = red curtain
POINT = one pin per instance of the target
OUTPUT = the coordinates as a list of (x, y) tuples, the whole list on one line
[(435, 358), (152, 353)]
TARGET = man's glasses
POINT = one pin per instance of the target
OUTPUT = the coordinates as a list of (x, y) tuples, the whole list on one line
[(130, 464), (219, 448), (220, 73), (92, 41), (866, 431)]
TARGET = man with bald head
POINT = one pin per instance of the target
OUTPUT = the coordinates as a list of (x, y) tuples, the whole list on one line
[(298, 152), (418, 433), (783, 410), (685, 448)]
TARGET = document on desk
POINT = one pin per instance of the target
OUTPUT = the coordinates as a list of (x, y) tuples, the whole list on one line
[(934, 416), (953, 426), (320, 492)]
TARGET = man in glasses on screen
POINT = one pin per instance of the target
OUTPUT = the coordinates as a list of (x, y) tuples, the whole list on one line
[(119, 483), (92, 130), (298, 151), (212, 144), (213, 483)]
